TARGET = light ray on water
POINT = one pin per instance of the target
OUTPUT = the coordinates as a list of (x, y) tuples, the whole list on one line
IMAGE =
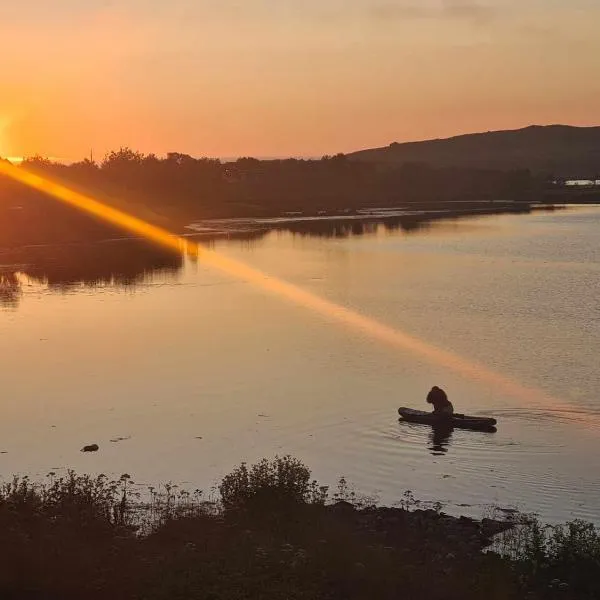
[(334, 312)]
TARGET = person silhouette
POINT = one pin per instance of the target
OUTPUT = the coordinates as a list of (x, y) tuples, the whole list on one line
[(442, 407)]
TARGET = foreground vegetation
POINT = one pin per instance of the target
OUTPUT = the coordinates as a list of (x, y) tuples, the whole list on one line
[(272, 532)]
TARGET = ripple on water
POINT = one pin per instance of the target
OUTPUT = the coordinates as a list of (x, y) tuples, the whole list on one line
[(590, 416), (517, 466)]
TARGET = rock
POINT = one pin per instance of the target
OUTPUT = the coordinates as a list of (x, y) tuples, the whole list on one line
[(91, 448)]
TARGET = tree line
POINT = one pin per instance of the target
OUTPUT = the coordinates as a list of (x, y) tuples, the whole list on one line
[(182, 187)]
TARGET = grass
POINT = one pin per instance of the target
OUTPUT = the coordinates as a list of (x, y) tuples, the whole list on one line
[(272, 533)]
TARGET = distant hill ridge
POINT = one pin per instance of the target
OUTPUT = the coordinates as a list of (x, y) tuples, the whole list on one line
[(563, 150)]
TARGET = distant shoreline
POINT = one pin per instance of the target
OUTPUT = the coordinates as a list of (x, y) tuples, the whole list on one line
[(410, 218), (209, 198)]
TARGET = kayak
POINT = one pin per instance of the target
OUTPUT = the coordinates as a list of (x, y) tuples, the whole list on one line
[(457, 420)]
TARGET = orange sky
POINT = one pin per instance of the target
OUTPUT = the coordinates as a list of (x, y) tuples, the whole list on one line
[(281, 77)]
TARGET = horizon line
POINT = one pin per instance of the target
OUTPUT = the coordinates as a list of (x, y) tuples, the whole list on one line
[(315, 156)]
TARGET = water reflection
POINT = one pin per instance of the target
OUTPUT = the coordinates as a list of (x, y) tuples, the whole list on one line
[(10, 289), (352, 227), (440, 439), (323, 227), (128, 263), (347, 225), (62, 266), (124, 263)]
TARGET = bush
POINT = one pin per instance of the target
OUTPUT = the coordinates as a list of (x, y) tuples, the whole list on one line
[(565, 556), (273, 483), (79, 499)]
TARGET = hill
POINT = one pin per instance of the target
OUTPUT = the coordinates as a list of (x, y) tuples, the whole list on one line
[(562, 150)]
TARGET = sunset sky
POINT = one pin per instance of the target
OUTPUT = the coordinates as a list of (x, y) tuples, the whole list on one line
[(282, 77)]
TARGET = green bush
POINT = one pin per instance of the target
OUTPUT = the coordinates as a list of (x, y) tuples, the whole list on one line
[(271, 483)]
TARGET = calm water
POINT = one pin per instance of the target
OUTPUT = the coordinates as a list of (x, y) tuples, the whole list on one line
[(179, 373)]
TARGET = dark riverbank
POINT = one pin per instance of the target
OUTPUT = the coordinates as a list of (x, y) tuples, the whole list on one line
[(178, 190), (175, 190), (273, 534), (31, 219), (572, 195)]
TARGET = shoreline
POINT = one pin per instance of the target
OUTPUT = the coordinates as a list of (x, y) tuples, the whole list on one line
[(273, 534), (404, 216)]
